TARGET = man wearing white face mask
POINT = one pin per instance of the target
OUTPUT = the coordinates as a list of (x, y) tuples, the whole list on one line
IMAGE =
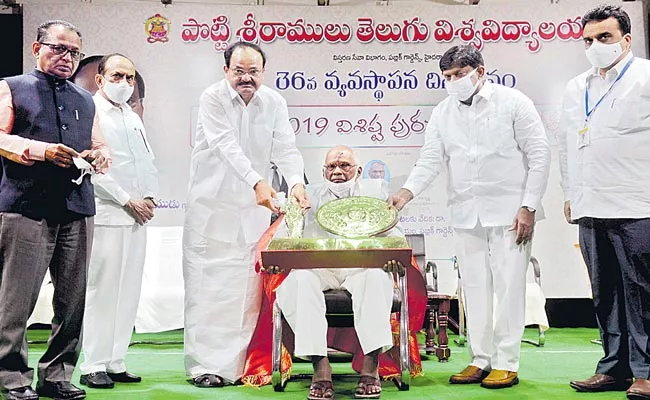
[(604, 142), (125, 202), (301, 299), (496, 152)]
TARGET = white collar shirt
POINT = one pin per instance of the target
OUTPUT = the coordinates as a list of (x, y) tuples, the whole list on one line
[(132, 174), (496, 154), (606, 167), (233, 149)]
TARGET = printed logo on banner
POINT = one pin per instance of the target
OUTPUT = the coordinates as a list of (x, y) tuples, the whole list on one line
[(157, 28)]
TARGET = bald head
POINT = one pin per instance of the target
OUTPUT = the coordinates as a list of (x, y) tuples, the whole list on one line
[(341, 164)]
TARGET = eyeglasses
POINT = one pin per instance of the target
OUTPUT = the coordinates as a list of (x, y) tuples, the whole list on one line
[(60, 50), (345, 167), (238, 72)]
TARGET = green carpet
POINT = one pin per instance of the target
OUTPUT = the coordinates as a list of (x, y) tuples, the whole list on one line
[(544, 373)]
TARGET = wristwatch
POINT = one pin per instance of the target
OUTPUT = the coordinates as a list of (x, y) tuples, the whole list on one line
[(151, 199), (529, 209)]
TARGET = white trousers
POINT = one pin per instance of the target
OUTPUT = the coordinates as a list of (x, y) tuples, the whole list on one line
[(112, 295), (493, 273), (222, 303), (302, 302)]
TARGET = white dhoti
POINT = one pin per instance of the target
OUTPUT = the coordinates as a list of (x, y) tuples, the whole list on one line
[(222, 303), (493, 273), (112, 295), (302, 302)]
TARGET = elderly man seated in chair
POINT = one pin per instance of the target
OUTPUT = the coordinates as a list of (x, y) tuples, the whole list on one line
[(301, 297)]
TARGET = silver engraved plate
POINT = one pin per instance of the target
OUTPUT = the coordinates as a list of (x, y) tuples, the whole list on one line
[(356, 216)]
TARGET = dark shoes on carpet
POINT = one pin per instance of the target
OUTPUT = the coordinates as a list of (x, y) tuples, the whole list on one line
[(97, 380), (208, 380), (640, 390), (106, 380), (124, 377), (21, 393), (60, 390), (601, 383)]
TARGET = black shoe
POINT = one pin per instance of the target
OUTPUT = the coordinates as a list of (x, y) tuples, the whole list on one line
[(97, 380), (21, 393), (124, 377), (60, 390)]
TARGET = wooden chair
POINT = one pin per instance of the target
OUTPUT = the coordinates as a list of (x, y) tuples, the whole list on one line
[(438, 304)]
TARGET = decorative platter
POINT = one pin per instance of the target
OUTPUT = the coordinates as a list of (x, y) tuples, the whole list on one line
[(356, 216)]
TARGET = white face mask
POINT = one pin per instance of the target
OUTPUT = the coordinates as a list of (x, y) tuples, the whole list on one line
[(602, 55), (463, 88), (342, 189), (117, 92)]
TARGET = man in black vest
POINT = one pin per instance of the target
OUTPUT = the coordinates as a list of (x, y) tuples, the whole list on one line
[(46, 208)]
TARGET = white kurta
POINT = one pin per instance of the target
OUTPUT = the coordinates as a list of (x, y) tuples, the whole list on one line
[(117, 258), (498, 157), (301, 298), (234, 146)]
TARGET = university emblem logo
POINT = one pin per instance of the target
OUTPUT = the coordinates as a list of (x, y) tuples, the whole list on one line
[(157, 28)]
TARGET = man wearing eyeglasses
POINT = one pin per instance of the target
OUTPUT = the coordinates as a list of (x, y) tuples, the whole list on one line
[(243, 126), (301, 298), (47, 124), (124, 197), (492, 142)]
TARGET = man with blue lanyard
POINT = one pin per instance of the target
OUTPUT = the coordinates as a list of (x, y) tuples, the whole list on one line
[(604, 146)]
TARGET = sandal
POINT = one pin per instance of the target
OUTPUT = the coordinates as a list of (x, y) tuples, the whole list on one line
[(321, 390), (208, 380), (369, 387)]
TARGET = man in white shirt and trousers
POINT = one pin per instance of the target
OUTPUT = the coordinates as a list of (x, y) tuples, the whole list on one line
[(604, 142), (124, 197), (301, 298), (243, 126), (492, 141)]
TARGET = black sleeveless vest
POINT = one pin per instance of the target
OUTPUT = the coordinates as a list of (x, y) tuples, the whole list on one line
[(52, 110)]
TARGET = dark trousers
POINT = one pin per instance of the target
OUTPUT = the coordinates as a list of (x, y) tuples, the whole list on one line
[(617, 253), (27, 249)]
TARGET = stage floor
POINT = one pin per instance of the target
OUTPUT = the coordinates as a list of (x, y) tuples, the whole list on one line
[(544, 374)]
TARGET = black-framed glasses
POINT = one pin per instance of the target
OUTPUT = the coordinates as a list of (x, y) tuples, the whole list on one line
[(60, 50), (345, 167)]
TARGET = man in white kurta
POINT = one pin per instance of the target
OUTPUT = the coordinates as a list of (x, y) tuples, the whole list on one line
[(492, 141), (301, 297), (243, 126), (124, 200)]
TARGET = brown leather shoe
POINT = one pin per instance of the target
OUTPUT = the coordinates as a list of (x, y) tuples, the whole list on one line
[(471, 374), (601, 383), (640, 390), (500, 378)]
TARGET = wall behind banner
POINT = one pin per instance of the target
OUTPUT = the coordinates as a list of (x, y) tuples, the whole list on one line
[(364, 76)]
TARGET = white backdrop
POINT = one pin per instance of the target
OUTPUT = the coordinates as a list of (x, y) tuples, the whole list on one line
[(366, 76)]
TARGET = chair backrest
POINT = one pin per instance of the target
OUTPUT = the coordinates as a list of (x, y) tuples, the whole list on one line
[(418, 244)]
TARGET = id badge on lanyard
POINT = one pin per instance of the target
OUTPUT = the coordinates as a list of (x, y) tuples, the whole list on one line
[(584, 134)]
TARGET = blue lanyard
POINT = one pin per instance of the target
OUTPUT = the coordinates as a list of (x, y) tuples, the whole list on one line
[(618, 78)]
